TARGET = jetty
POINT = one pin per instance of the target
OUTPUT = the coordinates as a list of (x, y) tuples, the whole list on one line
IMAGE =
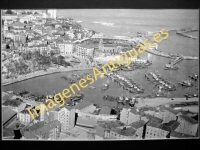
[(174, 61), (169, 55)]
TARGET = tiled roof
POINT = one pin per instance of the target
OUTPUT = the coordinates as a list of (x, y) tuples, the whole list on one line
[(99, 131), (105, 110), (83, 104), (14, 103), (135, 111), (173, 124), (179, 135), (168, 109), (188, 119), (8, 132), (85, 46), (138, 124), (30, 135), (148, 109), (84, 121), (126, 132), (154, 119)]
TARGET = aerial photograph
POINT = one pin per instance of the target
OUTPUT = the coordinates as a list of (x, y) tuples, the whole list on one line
[(99, 74)]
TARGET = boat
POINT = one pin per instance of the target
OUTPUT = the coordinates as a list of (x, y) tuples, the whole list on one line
[(190, 95), (91, 87), (128, 68), (75, 99), (105, 87), (187, 83), (194, 76)]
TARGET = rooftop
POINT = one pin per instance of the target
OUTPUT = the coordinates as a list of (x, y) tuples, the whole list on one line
[(89, 122), (105, 110), (189, 119), (179, 135), (13, 103), (30, 135), (100, 131), (138, 124), (162, 108), (85, 46), (154, 119), (83, 104), (126, 132)]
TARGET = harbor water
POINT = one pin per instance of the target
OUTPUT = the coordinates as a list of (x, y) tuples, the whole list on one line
[(128, 22)]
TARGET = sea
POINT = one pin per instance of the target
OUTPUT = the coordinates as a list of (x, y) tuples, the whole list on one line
[(127, 22)]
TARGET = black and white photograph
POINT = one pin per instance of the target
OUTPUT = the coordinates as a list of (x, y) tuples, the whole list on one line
[(99, 74)]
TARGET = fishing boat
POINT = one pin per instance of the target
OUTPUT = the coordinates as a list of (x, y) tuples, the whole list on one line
[(105, 87), (194, 76), (187, 83), (190, 95), (91, 87)]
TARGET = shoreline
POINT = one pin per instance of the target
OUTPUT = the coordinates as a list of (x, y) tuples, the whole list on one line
[(38, 74)]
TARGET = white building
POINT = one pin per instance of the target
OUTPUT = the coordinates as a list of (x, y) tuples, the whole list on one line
[(52, 13), (65, 115), (155, 131), (84, 50), (66, 47), (166, 114), (128, 116), (187, 125)]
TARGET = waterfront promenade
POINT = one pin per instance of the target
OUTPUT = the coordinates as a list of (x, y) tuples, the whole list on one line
[(153, 102)]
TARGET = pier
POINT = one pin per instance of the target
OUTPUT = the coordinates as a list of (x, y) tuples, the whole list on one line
[(174, 61)]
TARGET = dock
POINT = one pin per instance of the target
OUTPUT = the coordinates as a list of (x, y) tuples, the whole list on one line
[(174, 61)]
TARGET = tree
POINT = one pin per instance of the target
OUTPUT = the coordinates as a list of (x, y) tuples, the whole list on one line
[(25, 22), (36, 13)]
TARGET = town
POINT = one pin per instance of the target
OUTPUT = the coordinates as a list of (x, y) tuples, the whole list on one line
[(37, 43)]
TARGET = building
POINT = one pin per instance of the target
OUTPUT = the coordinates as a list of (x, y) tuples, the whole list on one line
[(83, 50), (105, 110), (8, 116), (52, 13), (128, 116), (99, 133), (85, 107), (125, 133), (187, 125), (155, 130), (16, 105), (86, 122), (65, 115), (109, 48), (139, 127), (166, 114), (178, 135), (47, 131), (66, 47)]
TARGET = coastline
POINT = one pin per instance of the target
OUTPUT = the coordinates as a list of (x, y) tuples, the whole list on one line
[(40, 73)]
